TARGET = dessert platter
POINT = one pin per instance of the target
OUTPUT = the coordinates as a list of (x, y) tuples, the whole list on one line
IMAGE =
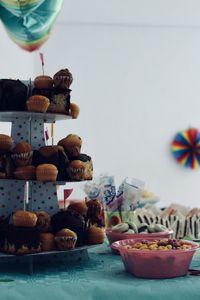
[(32, 227)]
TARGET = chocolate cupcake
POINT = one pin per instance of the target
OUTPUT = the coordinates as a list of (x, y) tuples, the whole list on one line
[(84, 163), (65, 239), (62, 79), (22, 154), (72, 220)]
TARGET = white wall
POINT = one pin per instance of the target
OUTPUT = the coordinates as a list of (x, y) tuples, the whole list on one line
[(136, 78)]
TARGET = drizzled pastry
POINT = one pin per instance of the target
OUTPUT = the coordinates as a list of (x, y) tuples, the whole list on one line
[(76, 170), (22, 154), (62, 79), (65, 239), (86, 165)]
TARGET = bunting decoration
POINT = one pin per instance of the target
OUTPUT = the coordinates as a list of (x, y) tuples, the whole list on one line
[(186, 148)]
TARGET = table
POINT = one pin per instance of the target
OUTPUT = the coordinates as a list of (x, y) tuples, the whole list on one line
[(101, 277)]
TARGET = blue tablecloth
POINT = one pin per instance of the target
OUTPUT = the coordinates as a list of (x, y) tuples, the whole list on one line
[(101, 277)]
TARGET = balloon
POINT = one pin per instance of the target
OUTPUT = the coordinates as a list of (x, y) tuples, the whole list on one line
[(186, 148), (29, 23)]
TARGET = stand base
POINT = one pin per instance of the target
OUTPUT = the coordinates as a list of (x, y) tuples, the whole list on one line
[(78, 254)]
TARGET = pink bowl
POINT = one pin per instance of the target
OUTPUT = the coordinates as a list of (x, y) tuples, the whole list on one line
[(155, 263), (117, 236)]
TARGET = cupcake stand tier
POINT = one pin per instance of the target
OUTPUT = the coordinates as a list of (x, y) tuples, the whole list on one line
[(33, 195)]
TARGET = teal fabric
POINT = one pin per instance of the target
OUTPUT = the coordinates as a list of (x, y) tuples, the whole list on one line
[(102, 277)]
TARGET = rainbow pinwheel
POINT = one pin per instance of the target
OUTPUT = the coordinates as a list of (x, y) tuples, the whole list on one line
[(29, 22), (186, 148)]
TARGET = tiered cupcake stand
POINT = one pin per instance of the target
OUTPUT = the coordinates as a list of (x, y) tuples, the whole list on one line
[(33, 195)]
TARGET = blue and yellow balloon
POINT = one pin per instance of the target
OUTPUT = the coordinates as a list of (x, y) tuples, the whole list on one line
[(29, 22)]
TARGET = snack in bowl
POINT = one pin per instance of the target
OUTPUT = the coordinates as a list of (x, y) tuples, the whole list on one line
[(129, 230), (156, 258)]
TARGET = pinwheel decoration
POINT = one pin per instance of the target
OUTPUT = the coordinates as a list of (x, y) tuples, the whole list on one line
[(29, 22), (186, 148)]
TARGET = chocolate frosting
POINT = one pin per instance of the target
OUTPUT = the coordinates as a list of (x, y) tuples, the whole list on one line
[(63, 79), (52, 155), (18, 237), (72, 220), (82, 156)]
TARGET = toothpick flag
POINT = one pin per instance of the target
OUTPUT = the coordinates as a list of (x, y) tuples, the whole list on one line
[(42, 62)]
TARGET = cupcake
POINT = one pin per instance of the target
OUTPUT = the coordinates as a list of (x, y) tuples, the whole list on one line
[(76, 170), (46, 172), (22, 218), (6, 143), (22, 154), (72, 220), (47, 241), (71, 144), (43, 221), (65, 239), (54, 155), (79, 206), (95, 235), (25, 173), (37, 103), (62, 79), (43, 82), (74, 110), (85, 163)]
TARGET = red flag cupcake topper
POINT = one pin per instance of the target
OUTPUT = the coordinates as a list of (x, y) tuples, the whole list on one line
[(42, 62)]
